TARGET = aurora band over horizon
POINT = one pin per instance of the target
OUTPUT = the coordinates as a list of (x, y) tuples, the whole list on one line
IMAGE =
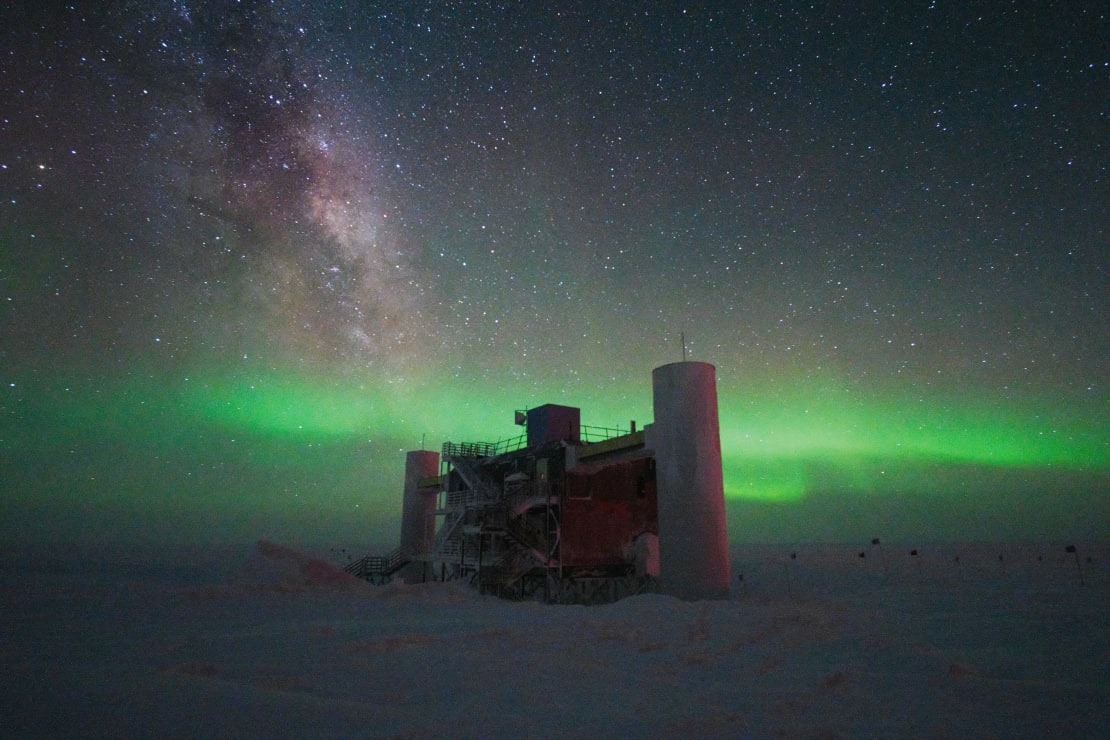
[(243, 455)]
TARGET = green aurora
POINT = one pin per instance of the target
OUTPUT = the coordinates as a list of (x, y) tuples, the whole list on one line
[(240, 455)]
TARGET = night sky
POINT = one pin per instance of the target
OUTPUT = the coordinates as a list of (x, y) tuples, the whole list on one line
[(251, 252)]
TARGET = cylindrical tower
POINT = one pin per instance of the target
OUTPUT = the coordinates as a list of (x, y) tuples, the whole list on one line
[(686, 437), (418, 511)]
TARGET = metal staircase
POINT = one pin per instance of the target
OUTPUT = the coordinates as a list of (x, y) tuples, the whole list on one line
[(480, 489), (378, 569)]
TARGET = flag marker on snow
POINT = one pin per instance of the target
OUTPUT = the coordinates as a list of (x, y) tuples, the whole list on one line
[(875, 542), (1074, 551)]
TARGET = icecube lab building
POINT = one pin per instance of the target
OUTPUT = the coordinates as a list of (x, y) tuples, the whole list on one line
[(573, 514)]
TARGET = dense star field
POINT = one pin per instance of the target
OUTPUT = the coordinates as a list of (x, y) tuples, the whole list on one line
[(251, 252)]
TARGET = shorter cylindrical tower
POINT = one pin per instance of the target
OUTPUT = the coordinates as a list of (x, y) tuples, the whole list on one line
[(686, 437), (418, 511)]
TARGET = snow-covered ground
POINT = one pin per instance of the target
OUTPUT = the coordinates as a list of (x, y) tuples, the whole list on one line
[(956, 641)]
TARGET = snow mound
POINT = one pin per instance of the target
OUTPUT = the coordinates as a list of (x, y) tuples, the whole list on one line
[(280, 568)]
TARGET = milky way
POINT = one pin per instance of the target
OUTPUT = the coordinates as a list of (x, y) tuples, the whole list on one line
[(262, 248)]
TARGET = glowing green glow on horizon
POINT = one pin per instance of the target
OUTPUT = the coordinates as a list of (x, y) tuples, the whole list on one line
[(772, 446), (775, 447), (298, 406), (284, 405), (761, 437), (980, 432)]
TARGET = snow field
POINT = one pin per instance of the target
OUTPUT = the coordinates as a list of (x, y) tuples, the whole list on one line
[(1004, 642)]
